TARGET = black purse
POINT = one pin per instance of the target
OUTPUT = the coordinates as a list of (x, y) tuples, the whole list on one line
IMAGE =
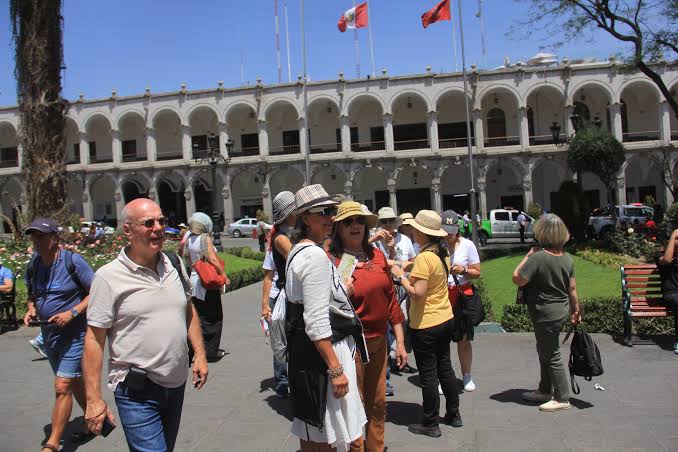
[(471, 306)]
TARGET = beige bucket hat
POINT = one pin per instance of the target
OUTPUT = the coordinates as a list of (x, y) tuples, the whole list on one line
[(428, 222)]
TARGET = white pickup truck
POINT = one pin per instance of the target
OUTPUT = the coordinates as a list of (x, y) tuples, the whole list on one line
[(628, 215), (503, 224)]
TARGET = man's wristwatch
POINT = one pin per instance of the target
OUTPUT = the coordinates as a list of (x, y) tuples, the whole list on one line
[(74, 312)]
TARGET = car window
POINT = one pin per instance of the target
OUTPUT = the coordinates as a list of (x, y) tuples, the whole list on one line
[(514, 215), (501, 216), (633, 212), (253, 221)]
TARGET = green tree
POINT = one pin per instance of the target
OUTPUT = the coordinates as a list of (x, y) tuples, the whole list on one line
[(647, 28), (37, 35), (571, 205), (599, 152)]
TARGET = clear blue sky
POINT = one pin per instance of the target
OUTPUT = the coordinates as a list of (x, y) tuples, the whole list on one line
[(131, 44)]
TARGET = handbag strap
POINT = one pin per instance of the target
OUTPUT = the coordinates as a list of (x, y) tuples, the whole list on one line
[(456, 282)]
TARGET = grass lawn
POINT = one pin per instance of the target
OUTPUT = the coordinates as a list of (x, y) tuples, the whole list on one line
[(234, 263), (592, 281)]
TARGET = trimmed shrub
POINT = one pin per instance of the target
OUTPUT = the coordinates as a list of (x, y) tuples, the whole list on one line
[(633, 244), (600, 315), (245, 277), (246, 252), (535, 210), (484, 297)]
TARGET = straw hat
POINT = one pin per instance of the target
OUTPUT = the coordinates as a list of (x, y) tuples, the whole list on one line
[(450, 220), (312, 196), (283, 205), (428, 222), (351, 208), (387, 213), (405, 216)]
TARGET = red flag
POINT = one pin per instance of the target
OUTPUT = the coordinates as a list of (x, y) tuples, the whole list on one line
[(355, 17), (439, 12)]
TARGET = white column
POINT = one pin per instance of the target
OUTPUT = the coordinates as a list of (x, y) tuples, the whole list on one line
[(119, 204), (437, 196), (84, 149), (228, 205), (432, 120), (345, 134), (116, 147), (186, 146), (20, 156), (567, 128), (621, 189), (223, 138), (87, 206), (615, 116), (267, 198), (388, 133), (348, 190), (668, 194), (524, 128), (478, 125), (263, 138), (527, 191), (480, 184), (665, 122), (393, 200), (190, 202), (303, 137), (151, 149)]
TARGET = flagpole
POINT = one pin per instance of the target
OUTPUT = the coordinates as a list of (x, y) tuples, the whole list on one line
[(305, 89), (356, 50), (472, 192), (287, 43), (369, 30), (454, 46), (277, 41)]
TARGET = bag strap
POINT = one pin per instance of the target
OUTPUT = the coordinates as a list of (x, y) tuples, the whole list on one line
[(573, 383), (30, 270), (176, 263), (72, 272), (289, 261)]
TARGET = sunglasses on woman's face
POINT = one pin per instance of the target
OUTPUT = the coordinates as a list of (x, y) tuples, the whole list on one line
[(326, 211), (357, 219)]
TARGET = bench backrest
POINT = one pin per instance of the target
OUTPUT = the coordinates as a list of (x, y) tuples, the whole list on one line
[(641, 283), (12, 294)]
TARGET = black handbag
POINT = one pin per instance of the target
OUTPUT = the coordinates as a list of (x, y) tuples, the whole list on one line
[(471, 306)]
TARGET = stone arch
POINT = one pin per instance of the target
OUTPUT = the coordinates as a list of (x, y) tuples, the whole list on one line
[(9, 143), (285, 178), (547, 175), (639, 81), (414, 184), (607, 89), (167, 126), (131, 127), (278, 100), (164, 110), (282, 124), (455, 185), (72, 136), (540, 86), (331, 177), (504, 179), (346, 111), (323, 124), (134, 186), (369, 186), (365, 112), (102, 189), (642, 178), (8, 123), (452, 90), (170, 187), (11, 190), (639, 101), (324, 97), (451, 116), (95, 114), (246, 190), (494, 88), (242, 127), (546, 105), (410, 111), (501, 124), (673, 89), (130, 111), (99, 136), (238, 105), (75, 190), (409, 92), (199, 107)]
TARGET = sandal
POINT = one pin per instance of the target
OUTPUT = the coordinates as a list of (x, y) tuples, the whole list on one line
[(51, 447)]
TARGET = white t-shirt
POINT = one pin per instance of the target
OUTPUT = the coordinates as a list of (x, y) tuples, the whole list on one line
[(269, 264), (404, 249), (465, 255)]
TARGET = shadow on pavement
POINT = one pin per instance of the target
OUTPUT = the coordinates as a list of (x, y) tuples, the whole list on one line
[(266, 384), (414, 380), (515, 396), (75, 425), (403, 413), (282, 406)]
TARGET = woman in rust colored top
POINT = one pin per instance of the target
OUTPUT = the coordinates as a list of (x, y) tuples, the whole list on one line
[(375, 303)]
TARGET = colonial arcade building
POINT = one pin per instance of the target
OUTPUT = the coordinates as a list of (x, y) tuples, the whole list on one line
[(386, 140)]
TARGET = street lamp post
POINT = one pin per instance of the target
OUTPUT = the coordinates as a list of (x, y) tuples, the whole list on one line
[(213, 157), (577, 125)]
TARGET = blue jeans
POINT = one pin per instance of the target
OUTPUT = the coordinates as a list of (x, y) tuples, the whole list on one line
[(150, 417), (279, 369)]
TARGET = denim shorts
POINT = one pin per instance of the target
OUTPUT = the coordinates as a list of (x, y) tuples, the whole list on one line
[(65, 357)]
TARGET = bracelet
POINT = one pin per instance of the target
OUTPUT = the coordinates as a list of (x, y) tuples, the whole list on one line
[(334, 373), (94, 417)]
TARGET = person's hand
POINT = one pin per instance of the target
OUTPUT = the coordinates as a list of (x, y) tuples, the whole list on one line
[(397, 271), (339, 386), (32, 314), (228, 281), (266, 312), (401, 356), (348, 285), (95, 413), (61, 319), (575, 318), (458, 269), (379, 235), (199, 371)]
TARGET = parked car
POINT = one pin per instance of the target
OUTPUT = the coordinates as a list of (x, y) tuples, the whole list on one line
[(85, 225), (503, 224), (244, 227), (601, 225)]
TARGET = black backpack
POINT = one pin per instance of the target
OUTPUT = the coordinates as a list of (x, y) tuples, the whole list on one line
[(70, 267), (584, 358)]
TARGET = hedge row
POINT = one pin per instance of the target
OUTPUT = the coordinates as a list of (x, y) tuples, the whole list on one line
[(484, 297), (245, 277), (600, 315), (246, 252)]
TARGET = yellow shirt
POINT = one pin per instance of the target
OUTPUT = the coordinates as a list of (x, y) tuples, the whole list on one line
[(436, 309)]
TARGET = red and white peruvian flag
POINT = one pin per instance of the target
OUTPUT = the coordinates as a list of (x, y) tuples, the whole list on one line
[(355, 17)]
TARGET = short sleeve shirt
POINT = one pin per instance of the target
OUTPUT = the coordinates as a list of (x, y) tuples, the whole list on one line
[(436, 309), (547, 292), (5, 274), (404, 249), (55, 291), (466, 254), (144, 312), (269, 264)]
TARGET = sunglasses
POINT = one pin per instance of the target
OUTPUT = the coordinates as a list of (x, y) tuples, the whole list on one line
[(326, 211), (150, 222), (357, 219)]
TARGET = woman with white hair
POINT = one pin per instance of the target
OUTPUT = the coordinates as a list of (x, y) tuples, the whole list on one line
[(207, 302), (546, 275)]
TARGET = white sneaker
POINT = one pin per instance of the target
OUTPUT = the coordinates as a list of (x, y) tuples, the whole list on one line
[(38, 348), (469, 385), (536, 396), (440, 390), (554, 405)]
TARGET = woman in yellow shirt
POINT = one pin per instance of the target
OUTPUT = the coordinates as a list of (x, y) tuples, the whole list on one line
[(430, 321)]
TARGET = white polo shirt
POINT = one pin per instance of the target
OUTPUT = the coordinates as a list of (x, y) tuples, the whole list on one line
[(144, 312)]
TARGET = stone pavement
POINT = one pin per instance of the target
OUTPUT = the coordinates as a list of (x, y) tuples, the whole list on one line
[(238, 411)]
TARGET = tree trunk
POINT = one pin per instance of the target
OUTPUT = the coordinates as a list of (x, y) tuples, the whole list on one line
[(37, 32)]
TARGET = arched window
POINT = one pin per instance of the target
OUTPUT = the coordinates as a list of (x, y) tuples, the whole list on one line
[(496, 123), (530, 121), (582, 110)]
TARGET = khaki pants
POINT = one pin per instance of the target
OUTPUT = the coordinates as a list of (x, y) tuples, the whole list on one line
[(372, 387)]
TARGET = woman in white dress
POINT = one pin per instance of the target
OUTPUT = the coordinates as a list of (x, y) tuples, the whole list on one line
[(328, 412)]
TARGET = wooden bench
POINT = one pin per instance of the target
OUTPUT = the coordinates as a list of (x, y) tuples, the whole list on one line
[(8, 320), (641, 296)]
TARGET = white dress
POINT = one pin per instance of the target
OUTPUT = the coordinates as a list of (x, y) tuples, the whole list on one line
[(195, 253), (308, 282)]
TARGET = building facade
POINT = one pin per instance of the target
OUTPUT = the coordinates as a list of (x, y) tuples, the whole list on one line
[(398, 141)]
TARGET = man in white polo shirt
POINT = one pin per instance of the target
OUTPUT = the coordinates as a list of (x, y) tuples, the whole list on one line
[(141, 303)]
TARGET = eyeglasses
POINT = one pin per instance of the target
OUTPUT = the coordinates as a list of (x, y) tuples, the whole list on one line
[(150, 222), (356, 218), (326, 211)]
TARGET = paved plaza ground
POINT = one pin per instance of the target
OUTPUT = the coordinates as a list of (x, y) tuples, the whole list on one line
[(238, 411)]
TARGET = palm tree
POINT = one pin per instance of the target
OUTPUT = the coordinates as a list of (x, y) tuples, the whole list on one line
[(37, 35)]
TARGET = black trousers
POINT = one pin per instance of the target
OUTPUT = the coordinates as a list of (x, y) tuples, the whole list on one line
[(431, 348), (211, 316), (522, 234), (671, 301), (262, 242)]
